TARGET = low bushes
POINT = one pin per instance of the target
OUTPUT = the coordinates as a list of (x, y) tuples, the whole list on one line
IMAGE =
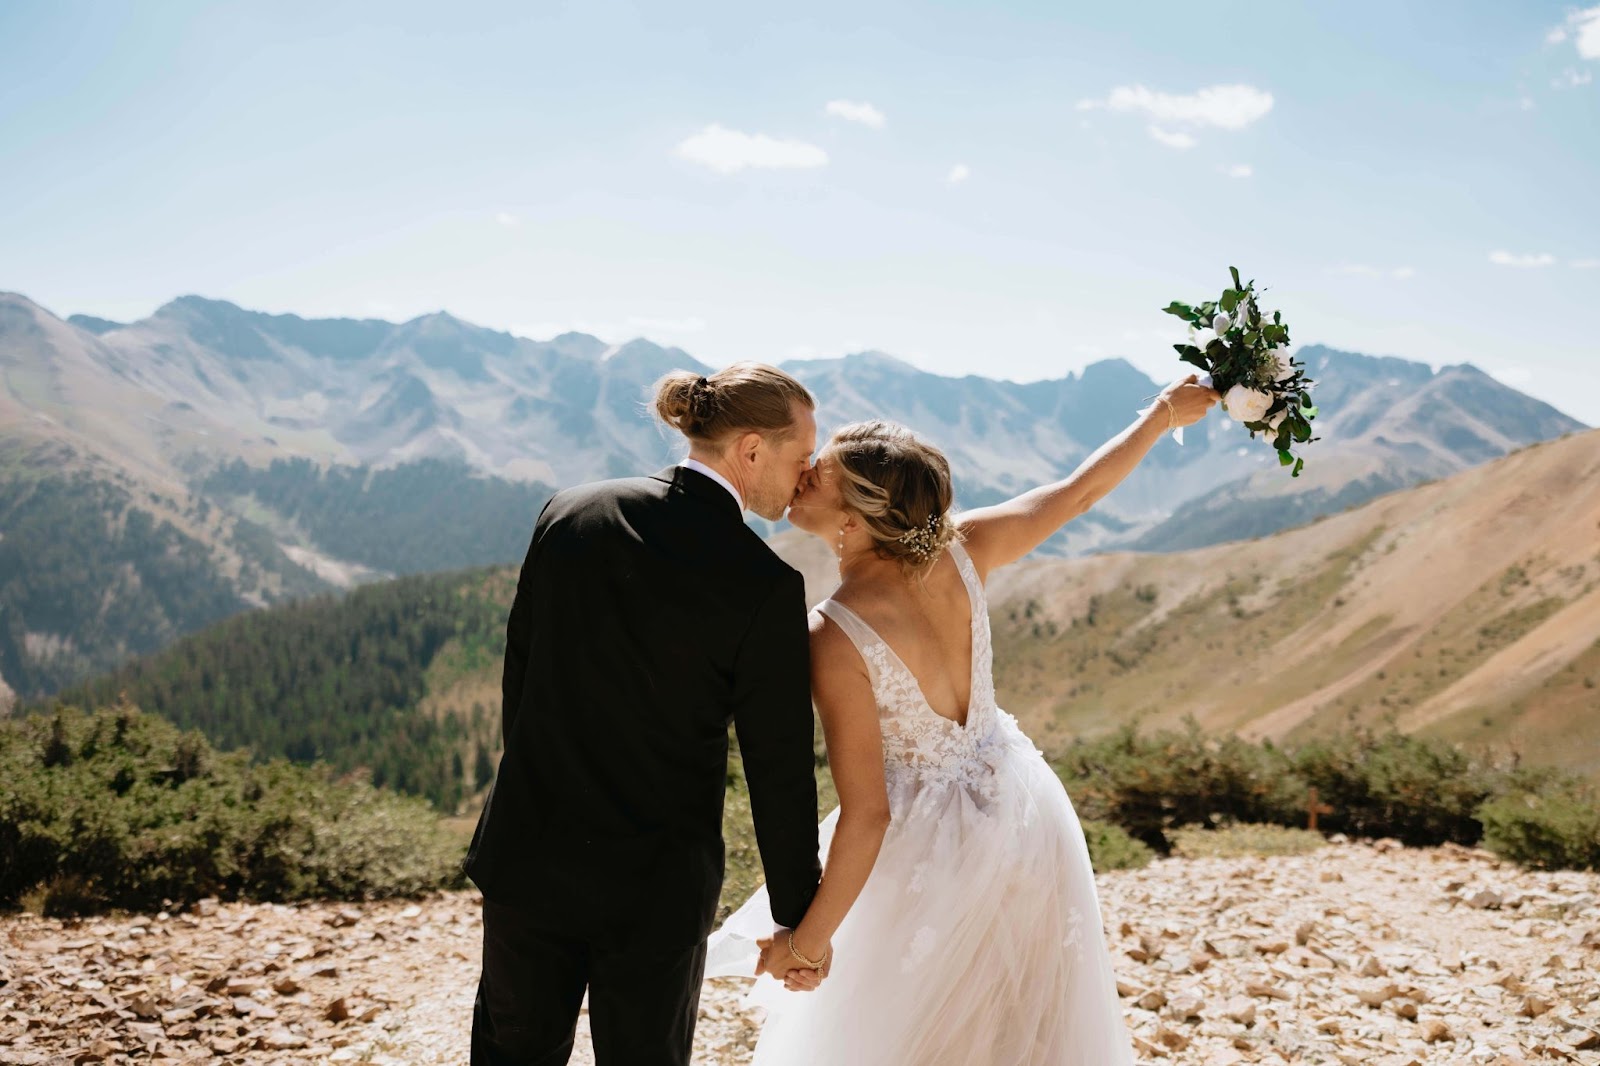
[(121, 809), (1373, 783)]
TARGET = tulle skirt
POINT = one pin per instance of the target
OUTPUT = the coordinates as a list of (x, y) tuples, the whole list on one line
[(977, 940)]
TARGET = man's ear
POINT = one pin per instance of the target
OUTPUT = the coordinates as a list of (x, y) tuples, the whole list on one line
[(747, 447)]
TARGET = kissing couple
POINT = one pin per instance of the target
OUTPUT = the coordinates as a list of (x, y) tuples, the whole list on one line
[(944, 913)]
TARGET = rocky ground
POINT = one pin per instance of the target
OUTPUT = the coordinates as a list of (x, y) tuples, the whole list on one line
[(1355, 953)]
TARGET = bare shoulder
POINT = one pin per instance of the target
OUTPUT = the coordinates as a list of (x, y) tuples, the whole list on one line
[(827, 639), (832, 652)]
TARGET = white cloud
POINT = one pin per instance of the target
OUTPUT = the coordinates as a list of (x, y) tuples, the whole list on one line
[(1526, 103), (1230, 107), (1365, 270), (1510, 259), (1172, 139), (692, 324), (730, 151), (1556, 36), (1585, 27), (852, 111), (958, 174), (505, 218), (1238, 170), (1571, 79), (1585, 264)]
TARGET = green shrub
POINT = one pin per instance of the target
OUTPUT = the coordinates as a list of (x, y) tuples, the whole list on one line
[(1111, 848), (121, 809), (1556, 829), (1391, 784), (1149, 784), (1377, 784)]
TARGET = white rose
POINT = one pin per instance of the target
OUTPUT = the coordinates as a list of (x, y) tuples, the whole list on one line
[(1274, 421), (1246, 404), (1221, 323), (1286, 369)]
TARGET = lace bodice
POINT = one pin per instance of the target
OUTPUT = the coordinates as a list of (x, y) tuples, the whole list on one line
[(921, 746)]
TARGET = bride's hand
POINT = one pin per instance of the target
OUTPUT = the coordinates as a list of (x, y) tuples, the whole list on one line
[(1190, 401), (777, 961)]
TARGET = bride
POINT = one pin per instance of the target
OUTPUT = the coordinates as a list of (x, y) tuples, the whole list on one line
[(957, 889)]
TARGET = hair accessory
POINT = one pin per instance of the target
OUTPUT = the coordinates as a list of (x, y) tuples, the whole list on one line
[(924, 540)]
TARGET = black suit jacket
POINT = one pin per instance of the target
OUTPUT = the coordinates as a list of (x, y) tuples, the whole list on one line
[(647, 616)]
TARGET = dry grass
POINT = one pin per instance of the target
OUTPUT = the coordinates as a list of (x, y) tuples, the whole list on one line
[(1233, 841)]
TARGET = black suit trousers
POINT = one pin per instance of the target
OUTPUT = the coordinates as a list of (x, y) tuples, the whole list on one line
[(642, 1004)]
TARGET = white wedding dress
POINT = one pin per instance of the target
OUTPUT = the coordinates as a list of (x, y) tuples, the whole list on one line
[(977, 940)]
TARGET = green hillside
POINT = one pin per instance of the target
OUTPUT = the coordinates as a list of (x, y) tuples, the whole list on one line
[(422, 517), (97, 566), (398, 679)]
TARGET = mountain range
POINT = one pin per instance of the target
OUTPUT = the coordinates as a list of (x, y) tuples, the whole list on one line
[(273, 455), (1467, 609)]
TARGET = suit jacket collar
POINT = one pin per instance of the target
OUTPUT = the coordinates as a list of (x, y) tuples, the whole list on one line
[(696, 484)]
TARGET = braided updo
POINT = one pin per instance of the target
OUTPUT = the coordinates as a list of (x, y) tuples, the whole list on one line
[(900, 486)]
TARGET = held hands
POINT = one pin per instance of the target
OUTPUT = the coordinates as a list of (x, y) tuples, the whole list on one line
[(1186, 402), (780, 962)]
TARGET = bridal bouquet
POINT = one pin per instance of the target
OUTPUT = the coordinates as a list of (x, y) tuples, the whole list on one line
[(1244, 352)]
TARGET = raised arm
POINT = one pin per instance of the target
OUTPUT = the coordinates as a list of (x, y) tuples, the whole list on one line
[(843, 694), (1005, 532)]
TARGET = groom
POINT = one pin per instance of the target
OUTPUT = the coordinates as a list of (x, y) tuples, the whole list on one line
[(647, 616)]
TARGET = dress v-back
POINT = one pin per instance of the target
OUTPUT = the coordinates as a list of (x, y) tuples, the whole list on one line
[(977, 939)]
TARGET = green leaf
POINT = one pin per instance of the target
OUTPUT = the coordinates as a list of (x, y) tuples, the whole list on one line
[(1182, 310), (1191, 354), (1284, 458), (1302, 431), (1309, 412), (1230, 300), (1235, 272), (1299, 465)]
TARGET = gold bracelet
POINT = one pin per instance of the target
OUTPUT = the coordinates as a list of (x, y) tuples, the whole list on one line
[(808, 963), (1172, 412)]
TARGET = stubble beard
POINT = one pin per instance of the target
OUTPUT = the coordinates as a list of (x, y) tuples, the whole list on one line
[(770, 503)]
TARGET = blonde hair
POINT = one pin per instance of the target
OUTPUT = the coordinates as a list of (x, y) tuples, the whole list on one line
[(900, 486), (744, 397)]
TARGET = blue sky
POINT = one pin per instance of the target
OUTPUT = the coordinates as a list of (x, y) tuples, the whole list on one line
[(1011, 190)]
